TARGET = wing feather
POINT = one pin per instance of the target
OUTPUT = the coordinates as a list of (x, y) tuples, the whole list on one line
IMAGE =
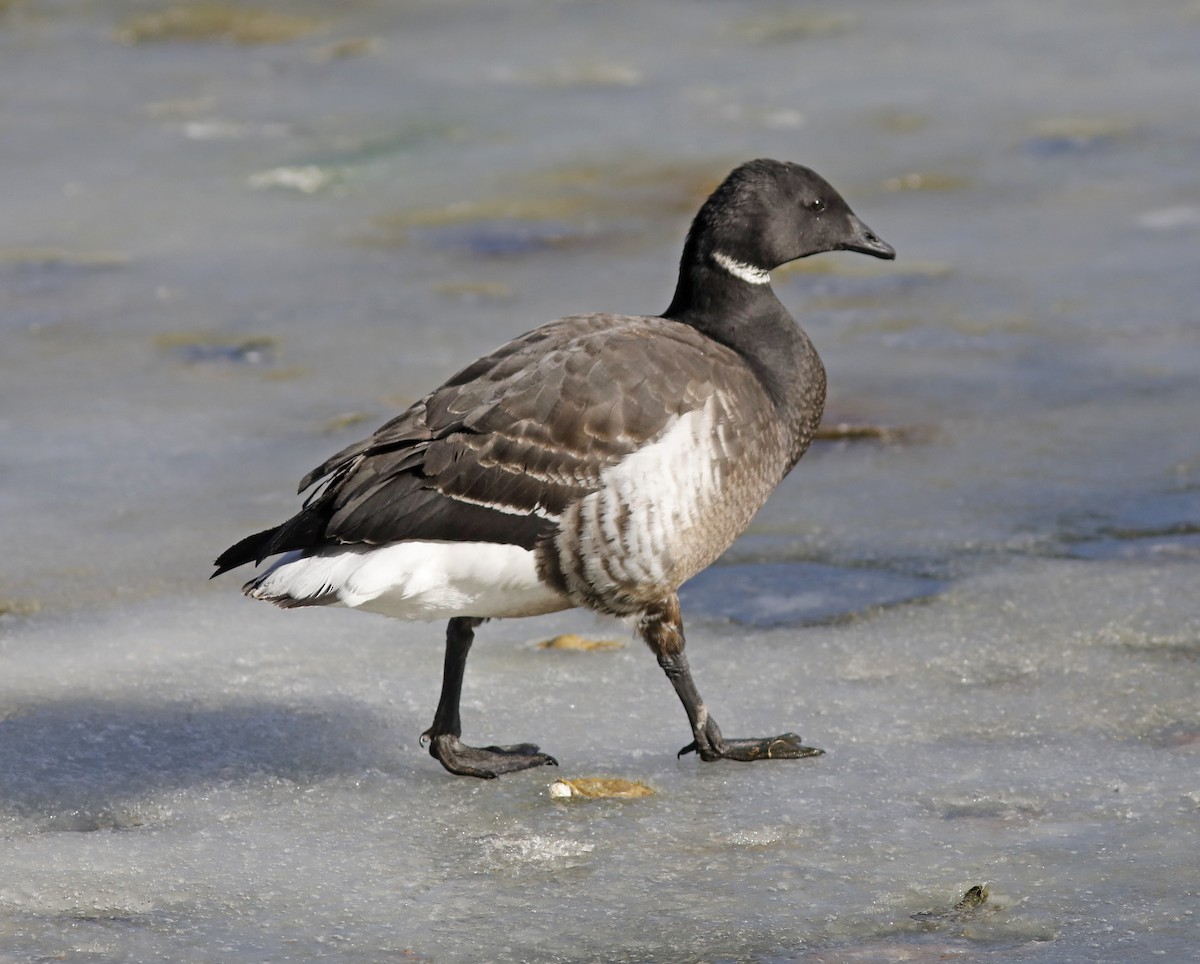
[(500, 450)]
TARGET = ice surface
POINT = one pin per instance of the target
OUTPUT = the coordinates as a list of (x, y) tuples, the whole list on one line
[(775, 594), (989, 619), (189, 781)]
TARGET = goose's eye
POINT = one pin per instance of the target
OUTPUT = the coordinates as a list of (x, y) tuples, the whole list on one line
[(816, 206)]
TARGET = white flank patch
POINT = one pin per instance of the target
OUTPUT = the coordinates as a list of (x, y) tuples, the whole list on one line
[(663, 488), (739, 269), (417, 580)]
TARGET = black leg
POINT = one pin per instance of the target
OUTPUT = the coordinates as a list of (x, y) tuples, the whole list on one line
[(662, 629), (445, 746)]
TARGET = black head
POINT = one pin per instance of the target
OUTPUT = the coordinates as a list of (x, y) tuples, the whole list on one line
[(767, 213)]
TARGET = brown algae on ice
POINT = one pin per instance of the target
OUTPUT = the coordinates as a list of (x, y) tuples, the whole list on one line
[(579, 73), (639, 186), (868, 432), (788, 26), (974, 898), (570, 194), (1081, 128), (900, 122), (511, 225), (221, 22), (494, 209), (599, 788), (346, 49), (343, 421), (19, 607), (580, 643)]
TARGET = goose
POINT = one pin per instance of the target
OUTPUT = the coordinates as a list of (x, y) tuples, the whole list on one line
[(598, 461)]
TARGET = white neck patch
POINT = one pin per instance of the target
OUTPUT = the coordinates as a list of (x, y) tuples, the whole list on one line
[(739, 269)]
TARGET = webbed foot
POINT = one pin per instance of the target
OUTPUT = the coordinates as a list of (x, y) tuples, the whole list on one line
[(486, 762), (662, 629), (786, 746)]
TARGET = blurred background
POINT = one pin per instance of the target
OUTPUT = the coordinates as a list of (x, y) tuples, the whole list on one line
[(237, 237)]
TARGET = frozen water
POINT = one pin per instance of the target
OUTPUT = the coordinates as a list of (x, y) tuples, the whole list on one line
[(775, 594), (240, 789), (221, 261)]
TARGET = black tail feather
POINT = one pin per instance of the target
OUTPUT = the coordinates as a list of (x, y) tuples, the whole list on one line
[(305, 530), (247, 550)]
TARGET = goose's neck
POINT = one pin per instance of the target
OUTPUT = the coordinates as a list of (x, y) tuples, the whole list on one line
[(733, 304)]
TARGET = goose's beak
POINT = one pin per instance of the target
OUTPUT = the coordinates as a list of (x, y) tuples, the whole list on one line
[(865, 241)]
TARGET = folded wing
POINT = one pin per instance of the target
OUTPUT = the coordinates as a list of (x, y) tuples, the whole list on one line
[(501, 449)]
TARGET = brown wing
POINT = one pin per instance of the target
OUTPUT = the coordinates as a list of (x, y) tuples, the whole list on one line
[(499, 451)]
